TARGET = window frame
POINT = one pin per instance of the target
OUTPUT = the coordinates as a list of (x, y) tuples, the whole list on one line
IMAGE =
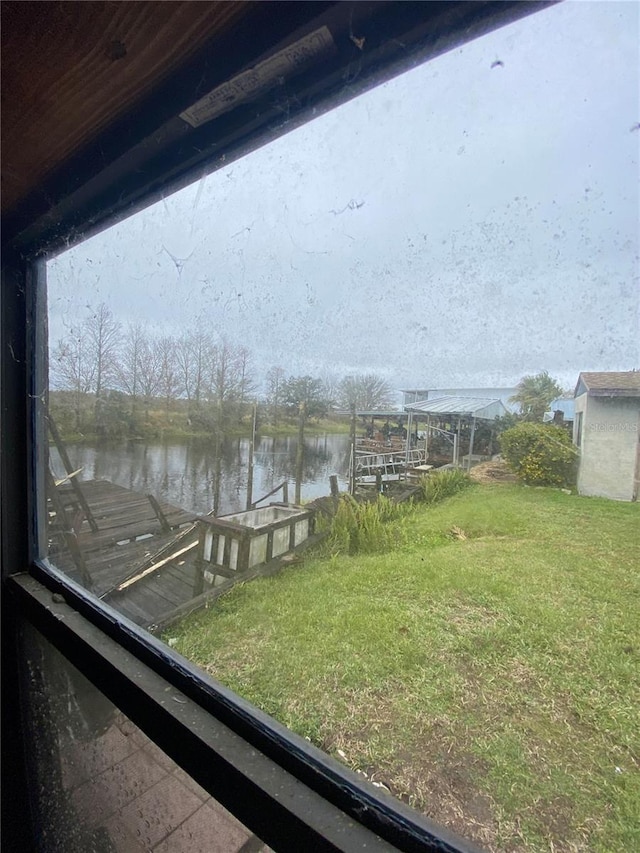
[(579, 416), (86, 631)]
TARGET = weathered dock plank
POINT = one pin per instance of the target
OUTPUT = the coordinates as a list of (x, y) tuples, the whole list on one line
[(147, 600), (121, 514), (127, 517), (153, 572)]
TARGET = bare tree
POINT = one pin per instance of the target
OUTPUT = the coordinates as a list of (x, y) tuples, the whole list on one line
[(183, 364), (193, 360), (128, 367), (365, 392), (275, 391), (149, 370), (170, 383), (331, 387), (246, 379), (104, 335), (73, 368), (223, 381)]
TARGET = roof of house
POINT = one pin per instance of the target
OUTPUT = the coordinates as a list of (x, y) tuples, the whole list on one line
[(478, 407), (615, 384)]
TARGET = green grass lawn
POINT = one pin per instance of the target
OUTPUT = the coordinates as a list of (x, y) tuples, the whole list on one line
[(492, 682)]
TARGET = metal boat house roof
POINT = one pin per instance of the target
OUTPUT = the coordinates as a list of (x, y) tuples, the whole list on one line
[(475, 407)]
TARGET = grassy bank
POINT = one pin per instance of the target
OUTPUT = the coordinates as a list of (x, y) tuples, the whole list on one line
[(491, 681), (316, 426), (176, 425)]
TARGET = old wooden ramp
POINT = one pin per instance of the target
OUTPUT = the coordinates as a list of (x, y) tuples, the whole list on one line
[(134, 532)]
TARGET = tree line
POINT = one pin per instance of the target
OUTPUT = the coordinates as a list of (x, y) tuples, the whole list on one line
[(113, 375)]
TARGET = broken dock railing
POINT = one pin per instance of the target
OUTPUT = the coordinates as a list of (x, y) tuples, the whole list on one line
[(237, 542)]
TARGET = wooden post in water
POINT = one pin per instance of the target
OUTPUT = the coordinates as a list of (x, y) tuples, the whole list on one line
[(333, 485), (300, 452), (251, 448), (352, 472), (216, 476)]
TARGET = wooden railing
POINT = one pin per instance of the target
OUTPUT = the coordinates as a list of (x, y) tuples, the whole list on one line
[(388, 464)]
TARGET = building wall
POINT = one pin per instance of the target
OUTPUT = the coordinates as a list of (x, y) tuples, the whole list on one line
[(608, 444), (409, 397)]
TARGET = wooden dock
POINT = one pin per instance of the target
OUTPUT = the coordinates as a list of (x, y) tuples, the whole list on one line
[(133, 531), (141, 556), (121, 514)]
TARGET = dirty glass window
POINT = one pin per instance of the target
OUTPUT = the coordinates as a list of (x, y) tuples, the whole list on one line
[(310, 422), (100, 784)]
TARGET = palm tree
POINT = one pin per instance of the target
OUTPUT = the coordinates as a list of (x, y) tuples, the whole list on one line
[(535, 394)]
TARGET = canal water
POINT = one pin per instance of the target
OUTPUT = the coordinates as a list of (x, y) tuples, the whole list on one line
[(184, 474)]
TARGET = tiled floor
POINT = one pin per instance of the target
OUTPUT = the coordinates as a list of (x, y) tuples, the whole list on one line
[(123, 786)]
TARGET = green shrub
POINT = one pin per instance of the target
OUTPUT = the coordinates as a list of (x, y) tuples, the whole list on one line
[(441, 484), (364, 528), (377, 526), (540, 454)]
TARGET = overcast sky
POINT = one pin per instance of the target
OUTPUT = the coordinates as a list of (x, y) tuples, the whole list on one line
[(459, 226)]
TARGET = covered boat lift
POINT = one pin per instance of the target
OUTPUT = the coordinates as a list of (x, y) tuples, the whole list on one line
[(453, 411), (384, 457)]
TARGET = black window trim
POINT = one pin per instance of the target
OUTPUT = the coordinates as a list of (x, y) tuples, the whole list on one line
[(390, 819), (131, 179), (274, 803)]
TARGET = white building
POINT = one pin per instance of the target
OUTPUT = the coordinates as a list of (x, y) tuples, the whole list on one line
[(606, 428)]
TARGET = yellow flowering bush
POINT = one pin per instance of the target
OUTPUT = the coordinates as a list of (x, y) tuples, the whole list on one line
[(540, 454)]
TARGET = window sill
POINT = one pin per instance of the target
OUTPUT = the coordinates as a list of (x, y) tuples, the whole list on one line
[(312, 803)]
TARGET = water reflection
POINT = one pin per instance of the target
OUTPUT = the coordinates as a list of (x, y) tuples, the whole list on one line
[(185, 474)]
